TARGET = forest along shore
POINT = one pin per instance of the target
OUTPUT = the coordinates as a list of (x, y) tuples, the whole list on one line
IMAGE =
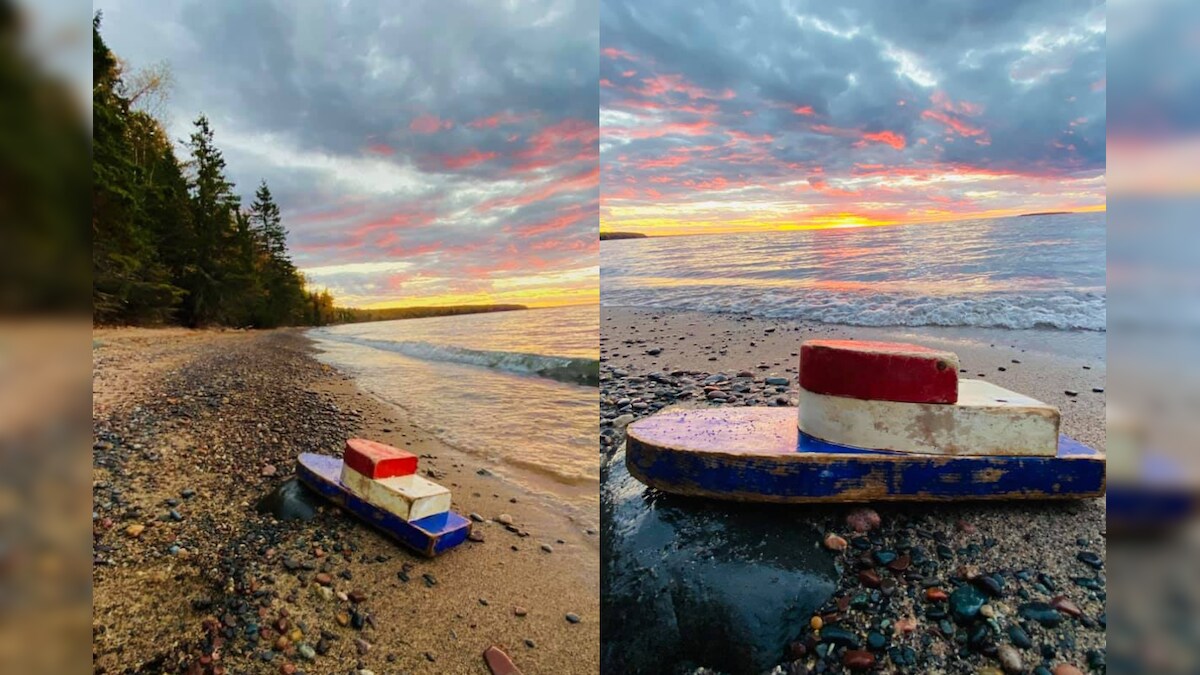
[(192, 428), (1035, 570)]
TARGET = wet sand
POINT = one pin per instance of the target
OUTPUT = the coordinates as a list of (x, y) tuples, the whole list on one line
[(204, 424), (1016, 540)]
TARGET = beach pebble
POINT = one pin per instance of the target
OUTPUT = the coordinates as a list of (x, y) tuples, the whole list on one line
[(1010, 659), (623, 421), (1070, 392), (1066, 669), (573, 617), (1063, 604), (135, 530), (504, 519), (965, 603), (863, 519), (1090, 559), (269, 470), (834, 543), (475, 536), (778, 381), (858, 659), (654, 351), (323, 578), (547, 548), (520, 611), (306, 652), (476, 517)]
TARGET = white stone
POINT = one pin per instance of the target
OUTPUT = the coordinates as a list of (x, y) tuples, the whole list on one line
[(986, 420), (409, 497)]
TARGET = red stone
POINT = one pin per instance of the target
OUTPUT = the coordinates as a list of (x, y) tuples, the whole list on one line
[(879, 371), (376, 460), (858, 659), (498, 662)]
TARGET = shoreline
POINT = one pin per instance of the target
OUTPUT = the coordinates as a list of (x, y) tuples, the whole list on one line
[(204, 423), (653, 359)]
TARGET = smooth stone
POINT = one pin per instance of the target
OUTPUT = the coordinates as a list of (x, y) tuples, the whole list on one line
[(876, 640), (1067, 669), (863, 519), (834, 543), (1090, 559), (965, 602), (1063, 604), (1019, 637), (840, 636), (857, 659), (1010, 659), (291, 500), (884, 557), (573, 617), (688, 581), (1041, 613)]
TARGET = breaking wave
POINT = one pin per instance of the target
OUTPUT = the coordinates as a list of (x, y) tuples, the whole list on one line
[(572, 370)]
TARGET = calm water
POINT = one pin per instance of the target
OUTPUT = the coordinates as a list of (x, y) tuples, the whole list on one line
[(1045, 272), (514, 387)]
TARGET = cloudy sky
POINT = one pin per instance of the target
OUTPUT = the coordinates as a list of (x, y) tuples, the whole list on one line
[(423, 152), (721, 116)]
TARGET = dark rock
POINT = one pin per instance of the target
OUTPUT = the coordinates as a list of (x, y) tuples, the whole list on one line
[(840, 636), (1019, 637), (291, 500), (965, 602), (1090, 559), (724, 587), (1041, 613)]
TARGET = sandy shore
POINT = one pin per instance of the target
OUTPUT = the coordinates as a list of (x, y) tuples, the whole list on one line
[(191, 429), (1033, 548)]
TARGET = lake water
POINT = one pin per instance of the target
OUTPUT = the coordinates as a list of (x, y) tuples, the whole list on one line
[(517, 388), (1033, 272)]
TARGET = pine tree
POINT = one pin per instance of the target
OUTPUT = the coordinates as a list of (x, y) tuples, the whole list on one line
[(213, 205)]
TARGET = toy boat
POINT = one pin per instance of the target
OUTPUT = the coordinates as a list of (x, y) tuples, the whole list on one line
[(388, 495), (910, 438)]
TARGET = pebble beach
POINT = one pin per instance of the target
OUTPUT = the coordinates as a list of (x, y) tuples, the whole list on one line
[(191, 429), (1016, 587)]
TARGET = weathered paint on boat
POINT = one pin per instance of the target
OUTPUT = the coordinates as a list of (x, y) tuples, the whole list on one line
[(986, 420), (879, 371), (428, 536), (409, 497), (758, 455)]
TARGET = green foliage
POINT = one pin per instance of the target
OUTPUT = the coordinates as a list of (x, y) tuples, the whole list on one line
[(175, 246)]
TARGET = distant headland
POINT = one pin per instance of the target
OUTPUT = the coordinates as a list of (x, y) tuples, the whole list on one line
[(1045, 213), (356, 315), (621, 235)]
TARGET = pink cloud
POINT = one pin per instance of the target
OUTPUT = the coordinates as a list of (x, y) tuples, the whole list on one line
[(428, 124), (466, 160), (381, 149), (501, 119), (804, 110)]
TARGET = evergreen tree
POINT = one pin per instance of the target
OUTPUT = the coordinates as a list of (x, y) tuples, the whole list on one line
[(213, 205)]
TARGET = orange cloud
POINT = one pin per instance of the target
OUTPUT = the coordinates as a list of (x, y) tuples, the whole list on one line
[(891, 138)]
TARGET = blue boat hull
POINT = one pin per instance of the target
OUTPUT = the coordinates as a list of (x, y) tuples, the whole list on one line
[(428, 536), (759, 455)]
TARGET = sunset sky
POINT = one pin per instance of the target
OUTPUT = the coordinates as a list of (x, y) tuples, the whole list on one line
[(726, 116), (434, 152)]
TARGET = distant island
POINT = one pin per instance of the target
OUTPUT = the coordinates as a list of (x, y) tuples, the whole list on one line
[(621, 235), (355, 315), (1045, 213)]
